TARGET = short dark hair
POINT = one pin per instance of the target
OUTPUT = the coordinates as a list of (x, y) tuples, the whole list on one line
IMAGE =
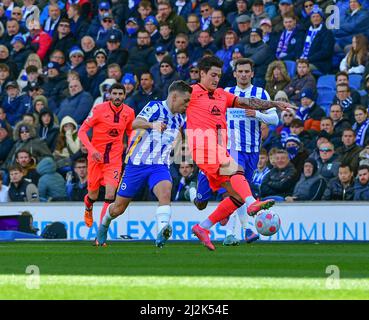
[(326, 118), (147, 72), (341, 73), (335, 104), (24, 151), (91, 60), (363, 167), (305, 61), (242, 61), (206, 63), (31, 69), (344, 85), (346, 165), (80, 160), (4, 66), (184, 51), (297, 123), (349, 129), (263, 152), (77, 8), (117, 86), (180, 86), (362, 108)]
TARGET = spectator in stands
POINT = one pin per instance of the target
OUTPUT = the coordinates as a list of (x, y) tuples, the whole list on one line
[(183, 64), (230, 39), (344, 99), (309, 111), (160, 53), (76, 57), (291, 39), (243, 28), (260, 172), (29, 118), (18, 16), (242, 7), (311, 185), (218, 27), (297, 153), (78, 25), (21, 190), (55, 86), (115, 53), (104, 90), (77, 188), (326, 124), (352, 22), (187, 178), (355, 60), (51, 185), (6, 59), (285, 7), (361, 187), (205, 42), (364, 98), (88, 46), (25, 159), (306, 137), (12, 29), (269, 138), (342, 77), (182, 8), (94, 78), (78, 105), (6, 141), (269, 36), (103, 8), (68, 142), (20, 52), (318, 46), (129, 82), (114, 72), (108, 27), (364, 156), (129, 39), (361, 126), (166, 14), (4, 78), (30, 75), (168, 74), (151, 26), (101, 57), (281, 179), (260, 53), (276, 77), (193, 25), (63, 38), (4, 190), (303, 80), (304, 17), (328, 162), (205, 10), (166, 38), (15, 104), (50, 24), (26, 138), (340, 123), (342, 187), (258, 13), (349, 152), (30, 10), (86, 7), (145, 93), (47, 130), (322, 137), (284, 129), (194, 74), (40, 40), (58, 56), (141, 56)]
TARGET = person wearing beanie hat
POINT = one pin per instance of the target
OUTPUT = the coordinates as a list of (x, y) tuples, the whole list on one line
[(20, 51), (318, 45), (309, 111), (296, 152), (311, 185), (130, 83), (281, 96)]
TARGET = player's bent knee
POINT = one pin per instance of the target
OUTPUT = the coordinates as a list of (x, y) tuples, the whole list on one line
[(201, 205)]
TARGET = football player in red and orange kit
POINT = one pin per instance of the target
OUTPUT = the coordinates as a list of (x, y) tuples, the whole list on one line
[(109, 120)]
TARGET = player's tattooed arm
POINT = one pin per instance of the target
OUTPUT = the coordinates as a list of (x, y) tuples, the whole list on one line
[(142, 123), (259, 104)]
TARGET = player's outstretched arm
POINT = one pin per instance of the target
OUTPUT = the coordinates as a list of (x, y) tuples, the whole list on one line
[(141, 123), (259, 104)]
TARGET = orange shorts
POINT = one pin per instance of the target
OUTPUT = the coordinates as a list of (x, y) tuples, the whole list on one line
[(100, 174), (211, 169)]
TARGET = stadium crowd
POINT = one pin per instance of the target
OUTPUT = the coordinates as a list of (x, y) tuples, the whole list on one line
[(59, 58)]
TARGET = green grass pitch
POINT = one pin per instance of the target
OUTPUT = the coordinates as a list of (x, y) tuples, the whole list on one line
[(138, 270)]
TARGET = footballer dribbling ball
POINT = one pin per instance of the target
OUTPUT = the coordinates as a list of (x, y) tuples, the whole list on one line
[(267, 222)]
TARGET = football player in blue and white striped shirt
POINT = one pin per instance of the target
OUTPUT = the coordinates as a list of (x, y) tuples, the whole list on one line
[(244, 140), (148, 159)]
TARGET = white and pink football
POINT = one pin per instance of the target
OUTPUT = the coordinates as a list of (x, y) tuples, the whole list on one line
[(267, 222)]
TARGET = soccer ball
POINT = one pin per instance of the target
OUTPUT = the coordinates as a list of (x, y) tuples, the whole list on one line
[(267, 222)]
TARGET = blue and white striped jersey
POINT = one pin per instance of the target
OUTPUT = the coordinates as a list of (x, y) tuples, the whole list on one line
[(151, 146), (244, 132)]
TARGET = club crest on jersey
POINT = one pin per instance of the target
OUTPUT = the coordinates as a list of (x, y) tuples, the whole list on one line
[(215, 111), (113, 133)]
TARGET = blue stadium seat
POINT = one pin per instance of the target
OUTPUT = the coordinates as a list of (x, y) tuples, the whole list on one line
[(355, 81), (291, 67), (325, 97), (327, 81)]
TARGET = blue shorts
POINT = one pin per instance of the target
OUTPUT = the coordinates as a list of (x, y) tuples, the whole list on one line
[(248, 161), (136, 176)]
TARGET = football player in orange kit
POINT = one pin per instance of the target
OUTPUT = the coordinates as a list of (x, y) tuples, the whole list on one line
[(109, 120)]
